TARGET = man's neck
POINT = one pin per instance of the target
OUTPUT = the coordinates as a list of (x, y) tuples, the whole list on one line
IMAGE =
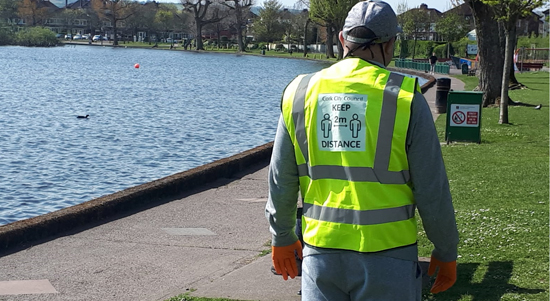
[(370, 61)]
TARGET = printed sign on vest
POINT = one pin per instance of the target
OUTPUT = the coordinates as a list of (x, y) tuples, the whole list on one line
[(341, 122)]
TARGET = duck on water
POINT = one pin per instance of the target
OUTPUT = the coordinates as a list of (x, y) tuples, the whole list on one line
[(80, 116)]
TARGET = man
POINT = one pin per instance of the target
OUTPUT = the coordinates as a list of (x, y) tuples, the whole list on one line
[(433, 61), (360, 186)]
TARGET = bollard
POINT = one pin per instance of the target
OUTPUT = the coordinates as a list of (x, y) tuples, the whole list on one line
[(441, 93)]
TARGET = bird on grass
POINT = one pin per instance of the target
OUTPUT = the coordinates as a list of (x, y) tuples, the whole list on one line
[(79, 116)]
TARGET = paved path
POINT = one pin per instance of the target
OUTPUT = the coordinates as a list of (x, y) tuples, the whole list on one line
[(208, 243)]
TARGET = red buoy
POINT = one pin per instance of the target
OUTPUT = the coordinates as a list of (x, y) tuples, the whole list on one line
[(136, 66)]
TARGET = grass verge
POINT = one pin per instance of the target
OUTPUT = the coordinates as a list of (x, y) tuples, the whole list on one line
[(500, 193)]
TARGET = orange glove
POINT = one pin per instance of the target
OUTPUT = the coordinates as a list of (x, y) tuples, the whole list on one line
[(284, 259), (446, 276)]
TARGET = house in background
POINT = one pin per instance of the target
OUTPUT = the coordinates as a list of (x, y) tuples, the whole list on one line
[(34, 13), (431, 16), (543, 29), (525, 26)]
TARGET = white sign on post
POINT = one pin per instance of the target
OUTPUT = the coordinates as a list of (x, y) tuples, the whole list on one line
[(471, 49), (464, 115), (340, 122)]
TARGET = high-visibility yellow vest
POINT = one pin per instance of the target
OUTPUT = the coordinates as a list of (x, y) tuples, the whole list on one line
[(349, 124)]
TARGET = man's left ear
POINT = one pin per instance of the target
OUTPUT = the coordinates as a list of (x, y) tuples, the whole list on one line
[(389, 47)]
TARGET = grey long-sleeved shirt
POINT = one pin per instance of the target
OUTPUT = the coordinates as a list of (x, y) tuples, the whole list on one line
[(429, 184)]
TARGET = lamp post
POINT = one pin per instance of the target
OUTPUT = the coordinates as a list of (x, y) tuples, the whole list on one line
[(90, 36)]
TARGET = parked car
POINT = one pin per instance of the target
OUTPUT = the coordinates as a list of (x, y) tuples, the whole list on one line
[(77, 37), (85, 36), (59, 35), (68, 36), (96, 38)]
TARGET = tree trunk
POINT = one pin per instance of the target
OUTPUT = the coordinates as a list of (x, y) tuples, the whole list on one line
[(414, 48), (115, 38), (404, 48), (239, 18), (198, 39), (513, 80), (490, 49), (508, 58), (328, 43), (305, 37), (240, 39)]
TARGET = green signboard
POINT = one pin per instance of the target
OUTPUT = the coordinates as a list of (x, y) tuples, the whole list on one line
[(463, 116)]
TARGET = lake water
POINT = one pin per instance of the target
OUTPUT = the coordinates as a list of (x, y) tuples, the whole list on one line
[(179, 110)]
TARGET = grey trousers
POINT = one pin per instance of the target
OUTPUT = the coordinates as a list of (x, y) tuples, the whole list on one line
[(357, 276)]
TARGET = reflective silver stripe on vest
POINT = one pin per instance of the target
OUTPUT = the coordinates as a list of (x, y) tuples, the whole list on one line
[(380, 172), (385, 132), (355, 217), (298, 115)]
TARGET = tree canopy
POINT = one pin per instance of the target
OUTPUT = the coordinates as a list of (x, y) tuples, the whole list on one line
[(331, 13), (268, 25), (452, 28)]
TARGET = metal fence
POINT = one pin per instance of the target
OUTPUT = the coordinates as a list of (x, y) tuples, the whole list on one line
[(421, 66)]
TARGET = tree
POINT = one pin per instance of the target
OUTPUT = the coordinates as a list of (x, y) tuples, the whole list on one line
[(165, 19), (224, 24), (199, 10), (507, 12), (268, 26), (490, 41), (241, 9), (144, 19), (415, 23), (332, 13), (136, 21), (182, 22), (306, 22), (114, 11), (452, 28), (8, 10), (69, 16), (289, 27), (402, 7), (318, 16), (33, 12)]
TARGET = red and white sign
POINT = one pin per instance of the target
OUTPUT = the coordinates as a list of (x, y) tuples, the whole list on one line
[(464, 115)]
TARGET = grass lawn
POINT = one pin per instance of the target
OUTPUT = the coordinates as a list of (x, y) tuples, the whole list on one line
[(500, 193)]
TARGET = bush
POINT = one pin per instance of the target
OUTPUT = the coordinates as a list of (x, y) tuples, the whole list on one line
[(459, 48), (440, 51), (424, 49), (539, 42), (36, 36), (7, 37)]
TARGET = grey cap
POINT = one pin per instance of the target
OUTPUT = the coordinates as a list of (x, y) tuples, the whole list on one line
[(378, 16)]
